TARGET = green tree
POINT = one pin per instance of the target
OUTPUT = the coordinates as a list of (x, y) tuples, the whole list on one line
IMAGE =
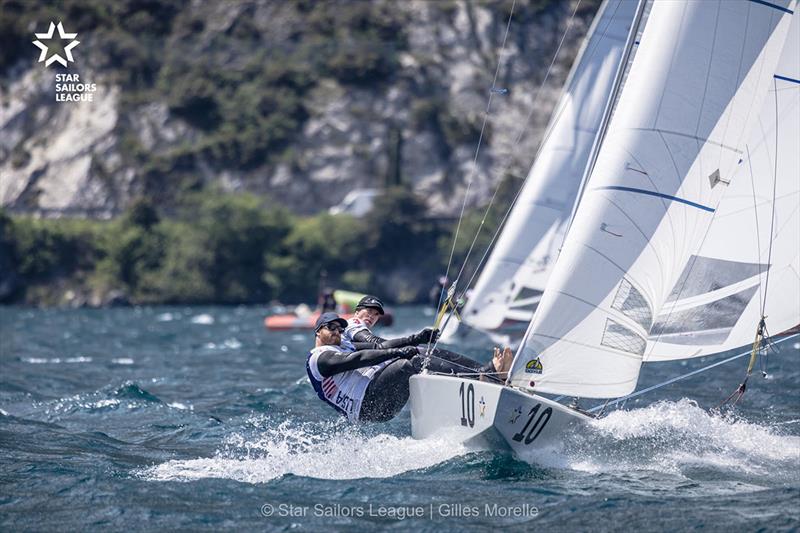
[(334, 244)]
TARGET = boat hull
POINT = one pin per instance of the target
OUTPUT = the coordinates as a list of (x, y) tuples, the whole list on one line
[(488, 415)]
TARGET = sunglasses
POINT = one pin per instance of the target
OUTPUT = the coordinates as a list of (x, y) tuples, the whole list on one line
[(333, 327)]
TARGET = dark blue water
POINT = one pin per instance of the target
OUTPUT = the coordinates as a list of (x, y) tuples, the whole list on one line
[(199, 418)]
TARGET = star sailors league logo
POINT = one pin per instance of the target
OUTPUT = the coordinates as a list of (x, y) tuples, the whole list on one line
[(56, 58)]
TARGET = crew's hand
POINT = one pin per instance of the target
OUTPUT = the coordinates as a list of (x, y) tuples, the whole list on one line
[(425, 336), (406, 352)]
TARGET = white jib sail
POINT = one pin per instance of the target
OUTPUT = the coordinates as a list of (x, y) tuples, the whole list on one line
[(515, 274), (720, 294), (681, 125)]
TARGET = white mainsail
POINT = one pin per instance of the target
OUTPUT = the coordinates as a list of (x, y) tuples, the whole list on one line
[(510, 286), (681, 125), (719, 295)]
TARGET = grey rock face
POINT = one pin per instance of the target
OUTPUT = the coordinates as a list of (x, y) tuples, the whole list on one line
[(419, 127)]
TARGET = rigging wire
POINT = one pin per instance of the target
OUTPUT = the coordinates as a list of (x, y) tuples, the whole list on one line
[(492, 92), (518, 139), (681, 377), (449, 302), (519, 191), (547, 134), (761, 331), (774, 193), (758, 231)]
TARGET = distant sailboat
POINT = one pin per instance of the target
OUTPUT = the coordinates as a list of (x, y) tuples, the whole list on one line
[(511, 284), (687, 234)]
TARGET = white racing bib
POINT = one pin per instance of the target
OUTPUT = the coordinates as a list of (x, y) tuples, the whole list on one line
[(344, 391)]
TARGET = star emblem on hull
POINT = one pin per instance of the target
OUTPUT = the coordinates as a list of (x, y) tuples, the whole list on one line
[(56, 58)]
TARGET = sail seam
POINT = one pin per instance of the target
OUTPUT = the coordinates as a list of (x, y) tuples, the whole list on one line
[(690, 136), (672, 230), (646, 237), (656, 194)]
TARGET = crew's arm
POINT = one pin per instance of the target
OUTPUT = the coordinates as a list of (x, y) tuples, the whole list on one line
[(424, 336), (330, 363), (365, 335)]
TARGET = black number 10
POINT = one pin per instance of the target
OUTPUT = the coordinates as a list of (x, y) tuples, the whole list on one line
[(467, 405), (540, 423)]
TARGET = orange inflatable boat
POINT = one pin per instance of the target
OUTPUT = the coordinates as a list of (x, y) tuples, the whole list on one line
[(292, 321)]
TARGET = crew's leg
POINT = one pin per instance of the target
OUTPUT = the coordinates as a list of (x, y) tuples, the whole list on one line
[(447, 362), (388, 392)]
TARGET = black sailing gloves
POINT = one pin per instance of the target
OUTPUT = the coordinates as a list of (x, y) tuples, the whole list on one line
[(405, 353), (424, 337)]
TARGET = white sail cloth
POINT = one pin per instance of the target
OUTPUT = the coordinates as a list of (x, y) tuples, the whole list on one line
[(680, 127), (515, 274), (716, 302)]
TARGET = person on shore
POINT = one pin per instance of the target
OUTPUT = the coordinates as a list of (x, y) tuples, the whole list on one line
[(367, 383)]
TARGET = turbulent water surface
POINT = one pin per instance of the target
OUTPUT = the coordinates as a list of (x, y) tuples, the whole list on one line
[(199, 418)]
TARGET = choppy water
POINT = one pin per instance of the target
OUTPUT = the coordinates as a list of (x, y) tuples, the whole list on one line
[(200, 419)]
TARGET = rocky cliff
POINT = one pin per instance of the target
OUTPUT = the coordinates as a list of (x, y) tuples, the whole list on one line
[(302, 101)]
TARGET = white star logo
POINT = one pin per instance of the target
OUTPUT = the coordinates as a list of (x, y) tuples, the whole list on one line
[(61, 35)]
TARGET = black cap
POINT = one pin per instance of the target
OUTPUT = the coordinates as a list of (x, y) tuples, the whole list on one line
[(370, 301), (327, 318)]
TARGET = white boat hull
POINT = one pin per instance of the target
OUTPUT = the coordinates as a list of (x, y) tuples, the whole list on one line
[(488, 415)]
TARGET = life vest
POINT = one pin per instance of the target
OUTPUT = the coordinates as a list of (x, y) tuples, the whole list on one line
[(343, 391)]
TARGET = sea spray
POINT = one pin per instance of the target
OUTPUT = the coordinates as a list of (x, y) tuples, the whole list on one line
[(322, 450)]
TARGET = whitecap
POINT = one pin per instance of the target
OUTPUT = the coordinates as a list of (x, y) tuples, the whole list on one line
[(203, 319), (122, 361), (99, 404), (232, 343), (35, 360), (79, 359)]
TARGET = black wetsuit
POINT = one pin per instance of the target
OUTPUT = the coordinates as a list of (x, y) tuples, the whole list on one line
[(388, 391)]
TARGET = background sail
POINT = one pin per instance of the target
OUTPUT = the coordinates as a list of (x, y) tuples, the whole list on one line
[(678, 133), (718, 298), (509, 288)]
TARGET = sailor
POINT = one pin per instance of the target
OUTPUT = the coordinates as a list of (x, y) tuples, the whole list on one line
[(368, 312), (326, 300), (370, 384)]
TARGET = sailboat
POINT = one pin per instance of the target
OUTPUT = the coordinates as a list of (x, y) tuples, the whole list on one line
[(511, 284), (686, 240)]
